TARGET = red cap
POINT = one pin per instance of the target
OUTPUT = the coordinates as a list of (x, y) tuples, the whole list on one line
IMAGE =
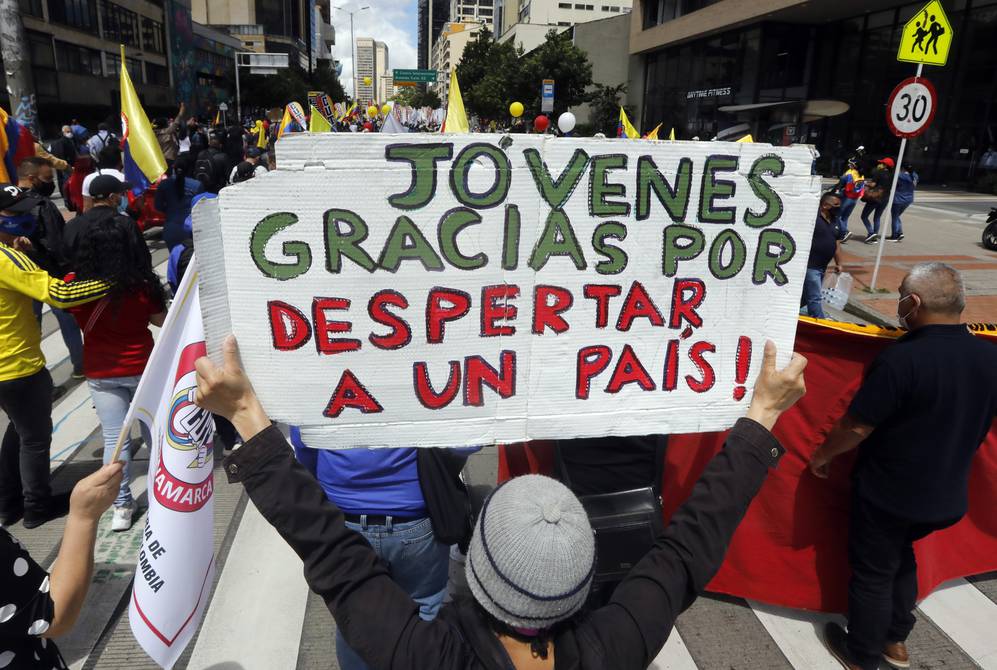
[(888, 162)]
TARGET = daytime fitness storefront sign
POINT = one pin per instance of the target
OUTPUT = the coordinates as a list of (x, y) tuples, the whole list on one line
[(446, 290)]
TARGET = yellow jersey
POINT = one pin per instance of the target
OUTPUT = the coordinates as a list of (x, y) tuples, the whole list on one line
[(21, 281)]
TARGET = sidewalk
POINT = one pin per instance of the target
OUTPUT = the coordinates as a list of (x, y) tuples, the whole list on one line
[(931, 234)]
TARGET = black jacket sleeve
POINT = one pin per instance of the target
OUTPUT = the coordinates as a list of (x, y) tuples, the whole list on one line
[(636, 623), (377, 618)]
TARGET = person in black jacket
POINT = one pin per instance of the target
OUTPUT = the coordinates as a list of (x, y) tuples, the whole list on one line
[(531, 558)]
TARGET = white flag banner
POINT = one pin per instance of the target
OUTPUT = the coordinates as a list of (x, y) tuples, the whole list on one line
[(176, 560)]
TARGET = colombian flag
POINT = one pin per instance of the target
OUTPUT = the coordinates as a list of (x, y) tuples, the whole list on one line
[(16, 144), (143, 159), (625, 128)]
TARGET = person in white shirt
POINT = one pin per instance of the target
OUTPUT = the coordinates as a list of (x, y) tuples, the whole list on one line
[(108, 162), (249, 168)]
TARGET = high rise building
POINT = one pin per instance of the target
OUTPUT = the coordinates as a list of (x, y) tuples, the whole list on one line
[(274, 26), (373, 64), (473, 11), (527, 22), (448, 50), (430, 27)]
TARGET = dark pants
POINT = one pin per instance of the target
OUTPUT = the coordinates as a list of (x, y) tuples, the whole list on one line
[(882, 592), (24, 453)]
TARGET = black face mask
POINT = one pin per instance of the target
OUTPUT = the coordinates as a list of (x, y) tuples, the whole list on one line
[(832, 212), (45, 188)]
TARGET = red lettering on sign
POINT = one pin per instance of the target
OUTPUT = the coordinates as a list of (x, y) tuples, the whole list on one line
[(478, 373), (350, 393), (324, 327), (697, 354), (444, 305), (289, 328), (377, 308), (638, 304), (592, 360), (424, 388), (629, 370), (601, 293), (492, 311), (547, 314), (684, 308)]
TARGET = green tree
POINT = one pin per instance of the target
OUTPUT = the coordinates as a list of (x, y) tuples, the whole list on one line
[(489, 73), (558, 59), (289, 85), (605, 101), (412, 96)]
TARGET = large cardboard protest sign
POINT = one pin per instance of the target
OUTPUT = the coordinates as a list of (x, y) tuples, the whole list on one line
[(447, 290)]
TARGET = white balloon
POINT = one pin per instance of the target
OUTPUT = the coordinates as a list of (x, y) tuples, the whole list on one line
[(566, 122)]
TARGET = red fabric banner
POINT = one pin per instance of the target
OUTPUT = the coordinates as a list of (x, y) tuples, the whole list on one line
[(790, 549)]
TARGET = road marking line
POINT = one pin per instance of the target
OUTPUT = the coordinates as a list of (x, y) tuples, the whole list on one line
[(674, 655), (256, 614), (798, 633), (968, 617)]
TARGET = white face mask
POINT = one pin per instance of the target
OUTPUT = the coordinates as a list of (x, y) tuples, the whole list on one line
[(902, 319)]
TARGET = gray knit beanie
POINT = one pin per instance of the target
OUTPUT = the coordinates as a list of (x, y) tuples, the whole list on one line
[(532, 557)]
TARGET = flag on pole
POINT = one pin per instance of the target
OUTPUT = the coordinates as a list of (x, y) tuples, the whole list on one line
[(349, 112), (292, 113), (625, 128), (176, 558), (218, 118), (318, 123), (392, 123), (261, 134), (747, 139), (142, 157), (16, 144), (456, 119), (653, 135), (671, 134)]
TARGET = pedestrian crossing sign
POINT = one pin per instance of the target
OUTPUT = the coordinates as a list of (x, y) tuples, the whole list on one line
[(927, 36)]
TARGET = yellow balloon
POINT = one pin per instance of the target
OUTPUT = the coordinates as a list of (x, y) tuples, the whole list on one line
[(516, 109), (372, 110), (386, 109), (366, 81)]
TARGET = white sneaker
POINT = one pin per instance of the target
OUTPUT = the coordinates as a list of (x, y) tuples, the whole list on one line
[(122, 519)]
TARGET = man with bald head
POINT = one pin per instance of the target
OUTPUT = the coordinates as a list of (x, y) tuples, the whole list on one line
[(925, 406)]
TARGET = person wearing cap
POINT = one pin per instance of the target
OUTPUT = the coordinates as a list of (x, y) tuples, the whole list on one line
[(107, 192), (25, 383), (851, 185), (876, 194), (531, 557), (36, 176), (249, 168), (108, 163)]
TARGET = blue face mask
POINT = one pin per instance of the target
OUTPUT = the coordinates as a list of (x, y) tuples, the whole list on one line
[(123, 204), (20, 225)]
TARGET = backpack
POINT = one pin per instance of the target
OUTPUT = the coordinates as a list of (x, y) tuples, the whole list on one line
[(206, 170), (97, 142), (244, 171)]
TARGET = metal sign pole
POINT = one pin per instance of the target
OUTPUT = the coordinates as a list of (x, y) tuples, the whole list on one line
[(238, 94), (888, 212)]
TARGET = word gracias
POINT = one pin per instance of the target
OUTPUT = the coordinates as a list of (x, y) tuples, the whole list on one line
[(345, 231)]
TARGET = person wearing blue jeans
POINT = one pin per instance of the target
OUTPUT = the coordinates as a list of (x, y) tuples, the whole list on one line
[(823, 250), (111, 397), (380, 494), (902, 199)]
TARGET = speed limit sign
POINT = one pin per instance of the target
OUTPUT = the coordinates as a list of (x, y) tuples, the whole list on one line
[(911, 107)]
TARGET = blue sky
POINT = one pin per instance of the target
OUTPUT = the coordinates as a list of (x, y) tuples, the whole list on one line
[(390, 21)]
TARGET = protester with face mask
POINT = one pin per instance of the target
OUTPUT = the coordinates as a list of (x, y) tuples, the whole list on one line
[(25, 383), (65, 149), (108, 163), (531, 558), (924, 407), (36, 176), (823, 250), (107, 193)]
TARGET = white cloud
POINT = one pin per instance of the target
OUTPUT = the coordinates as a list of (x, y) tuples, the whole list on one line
[(390, 21)]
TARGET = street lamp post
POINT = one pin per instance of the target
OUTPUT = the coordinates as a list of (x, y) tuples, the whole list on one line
[(353, 44)]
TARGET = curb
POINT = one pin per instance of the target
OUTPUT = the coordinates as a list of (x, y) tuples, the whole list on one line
[(861, 311)]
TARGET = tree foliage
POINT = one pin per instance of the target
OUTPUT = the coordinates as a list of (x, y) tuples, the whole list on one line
[(290, 85), (605, 102), (413, 96), (493, 75)]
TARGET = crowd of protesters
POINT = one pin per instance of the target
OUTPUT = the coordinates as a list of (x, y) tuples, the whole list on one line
[(392, 520)]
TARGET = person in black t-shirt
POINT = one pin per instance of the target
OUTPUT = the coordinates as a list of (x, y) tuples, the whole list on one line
[(823, 249), (925, 406)]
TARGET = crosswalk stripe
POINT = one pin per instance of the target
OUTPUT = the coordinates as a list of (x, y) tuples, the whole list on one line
[(674, 655), (256, 614), (798, 634), (968, 617)]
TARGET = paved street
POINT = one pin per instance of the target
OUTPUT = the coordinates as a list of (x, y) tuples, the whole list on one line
[(262, 616)]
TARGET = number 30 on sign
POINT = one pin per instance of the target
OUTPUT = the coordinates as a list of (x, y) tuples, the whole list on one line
[(911, 107)]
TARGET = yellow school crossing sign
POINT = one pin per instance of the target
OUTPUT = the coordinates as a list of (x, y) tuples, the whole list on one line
[(927, 36)]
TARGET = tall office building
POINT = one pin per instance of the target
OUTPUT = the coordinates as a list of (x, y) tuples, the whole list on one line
[(372, 63), (473, 11), (527, 22), (430, 27)]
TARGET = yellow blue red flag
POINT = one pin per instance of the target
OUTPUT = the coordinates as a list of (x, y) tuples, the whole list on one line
[(16, 144), (142, 157), (624, 128)]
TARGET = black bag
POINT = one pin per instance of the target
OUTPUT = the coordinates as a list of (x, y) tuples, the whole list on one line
[(625, 523), (243, 171), (204, 169), (447, 498)]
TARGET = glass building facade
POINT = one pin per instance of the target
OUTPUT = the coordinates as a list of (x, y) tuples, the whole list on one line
[(851, 60)]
